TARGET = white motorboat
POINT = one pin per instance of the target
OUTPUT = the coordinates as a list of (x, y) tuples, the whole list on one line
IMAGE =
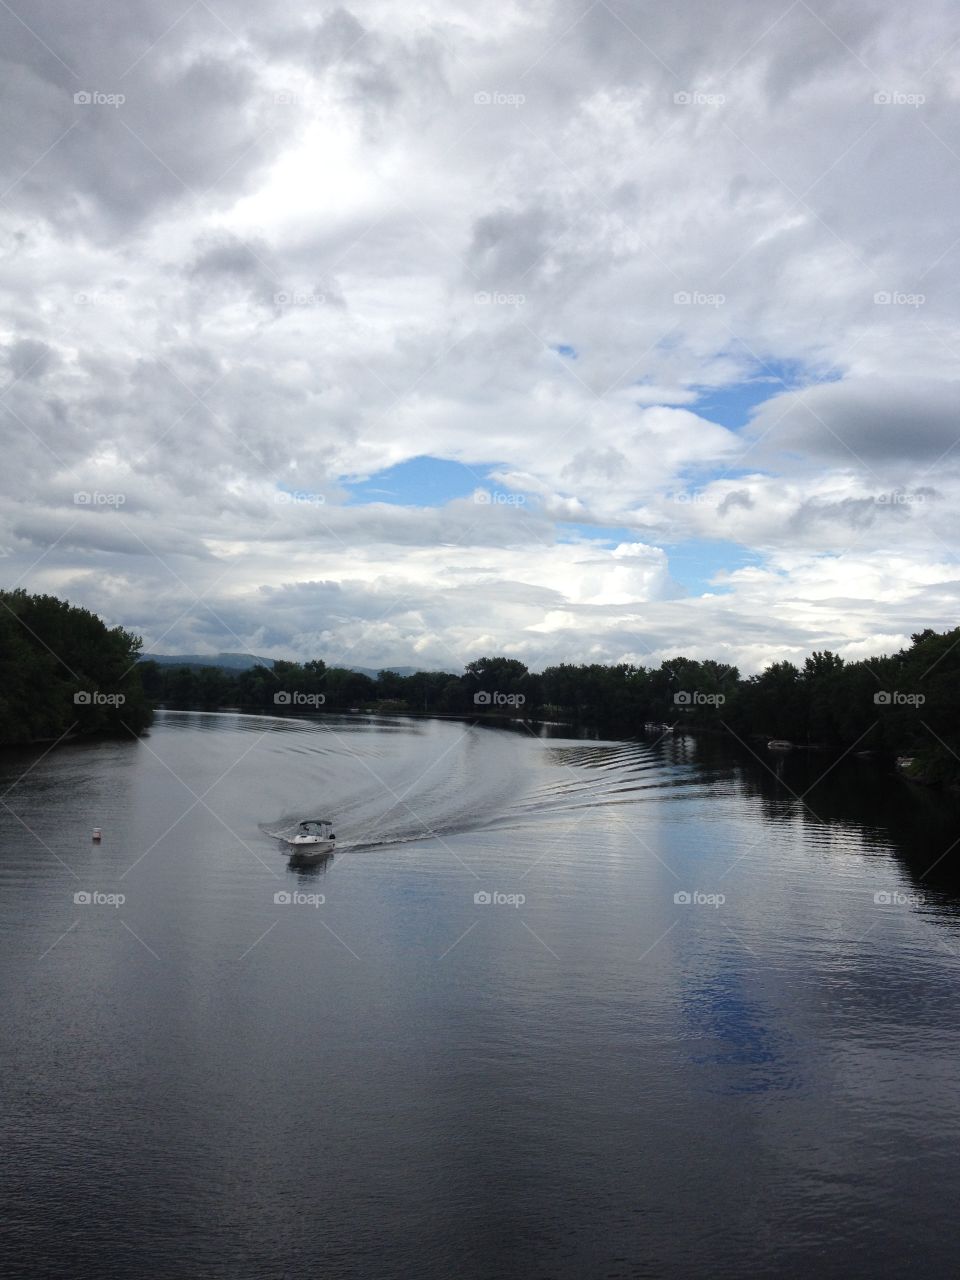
[(313, 839)]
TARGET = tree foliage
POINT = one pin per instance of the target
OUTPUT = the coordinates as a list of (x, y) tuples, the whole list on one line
[(62, 670), (905, 703)]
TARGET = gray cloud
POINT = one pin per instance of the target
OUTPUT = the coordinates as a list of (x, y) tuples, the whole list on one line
[(736, 498), (262, 276), (866, 421), (28, 358)]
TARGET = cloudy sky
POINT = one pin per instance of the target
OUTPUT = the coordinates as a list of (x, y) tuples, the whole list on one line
[(400, 334)]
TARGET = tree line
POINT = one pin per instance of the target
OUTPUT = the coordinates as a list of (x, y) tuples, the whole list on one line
[(64, 672), (906, 703)]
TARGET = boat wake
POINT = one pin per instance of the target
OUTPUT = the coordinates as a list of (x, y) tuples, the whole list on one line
[(437, 778)]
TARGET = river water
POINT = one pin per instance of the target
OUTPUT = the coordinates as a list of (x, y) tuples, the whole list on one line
[(365, 1069)]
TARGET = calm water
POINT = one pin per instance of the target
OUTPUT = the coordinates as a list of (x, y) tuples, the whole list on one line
[(595, 1081)]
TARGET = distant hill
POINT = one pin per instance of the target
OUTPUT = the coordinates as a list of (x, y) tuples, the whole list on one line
[(228, 661), (244, 661)]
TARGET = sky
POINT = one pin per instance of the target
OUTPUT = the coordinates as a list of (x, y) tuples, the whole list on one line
[(406, 334)]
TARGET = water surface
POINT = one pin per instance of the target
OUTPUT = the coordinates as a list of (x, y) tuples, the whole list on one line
[(225, 1076)]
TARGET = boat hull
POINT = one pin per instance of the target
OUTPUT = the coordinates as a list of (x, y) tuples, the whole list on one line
[(309, 850)]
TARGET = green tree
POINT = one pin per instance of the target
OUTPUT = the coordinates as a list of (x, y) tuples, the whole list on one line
[(64, 670)]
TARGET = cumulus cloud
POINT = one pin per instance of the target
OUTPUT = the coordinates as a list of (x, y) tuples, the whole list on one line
[(255, 257)]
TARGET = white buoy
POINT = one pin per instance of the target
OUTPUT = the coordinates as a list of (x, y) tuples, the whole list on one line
[(97, 833)]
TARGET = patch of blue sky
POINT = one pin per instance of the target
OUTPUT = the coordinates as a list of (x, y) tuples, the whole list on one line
[(423, 481), (605, 535), (732, 406), (693, 564)]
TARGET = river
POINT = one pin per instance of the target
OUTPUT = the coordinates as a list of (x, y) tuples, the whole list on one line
[(557, 1007)]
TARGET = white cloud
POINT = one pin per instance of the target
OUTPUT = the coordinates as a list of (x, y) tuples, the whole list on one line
[(303, 250)]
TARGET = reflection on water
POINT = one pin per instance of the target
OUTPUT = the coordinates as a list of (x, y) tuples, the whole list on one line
[(739, 1037), (310, 870), (555, 1007)]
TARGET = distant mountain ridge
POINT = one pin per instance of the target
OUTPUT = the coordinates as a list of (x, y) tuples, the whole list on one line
[(228, 661), (244, 661)]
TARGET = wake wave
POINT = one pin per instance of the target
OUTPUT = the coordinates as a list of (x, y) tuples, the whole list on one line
[(437, 778)]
